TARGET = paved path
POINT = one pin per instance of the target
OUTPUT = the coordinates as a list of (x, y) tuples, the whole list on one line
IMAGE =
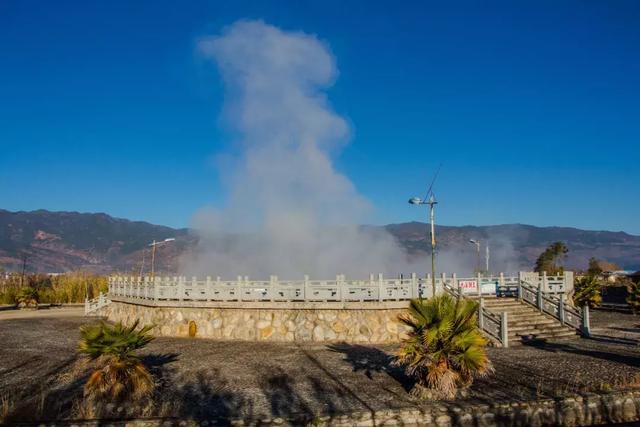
[(53, 312)]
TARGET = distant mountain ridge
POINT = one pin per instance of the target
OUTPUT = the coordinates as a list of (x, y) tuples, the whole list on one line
[(64, 241)]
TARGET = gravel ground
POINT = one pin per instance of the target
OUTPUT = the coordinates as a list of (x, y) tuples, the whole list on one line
[(204, 378)]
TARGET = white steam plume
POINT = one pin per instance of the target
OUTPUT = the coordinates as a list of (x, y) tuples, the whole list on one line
[(289, 212)]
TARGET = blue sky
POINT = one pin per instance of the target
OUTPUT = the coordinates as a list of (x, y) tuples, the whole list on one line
[(532, 106)]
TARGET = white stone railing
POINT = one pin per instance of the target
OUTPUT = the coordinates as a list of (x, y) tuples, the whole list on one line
[(178, 290), (376, 288), (91, 305), (556, 306)]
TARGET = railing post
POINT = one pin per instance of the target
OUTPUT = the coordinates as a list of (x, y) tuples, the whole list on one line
[(207, 289), (415, 286), (455, 283), (305, 291), (539, 298), (194, 289), (218, 286), (478, 285), (586, 326), (273, 284), (427, 285), (156, 289), (276, 287), (545, 282), (504, 330), (519, 285), (561, 309), (443, 280), (180, 288), (381, 286), (480, 314), (339, 285), (567, 285), (239, 288)]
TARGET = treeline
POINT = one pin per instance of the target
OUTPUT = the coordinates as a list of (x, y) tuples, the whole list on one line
[(62, 288)]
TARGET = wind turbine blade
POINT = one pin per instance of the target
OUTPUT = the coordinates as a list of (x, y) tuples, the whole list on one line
[(433, 181)]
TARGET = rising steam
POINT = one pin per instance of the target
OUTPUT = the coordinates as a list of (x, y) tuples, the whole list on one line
[(288, 212)]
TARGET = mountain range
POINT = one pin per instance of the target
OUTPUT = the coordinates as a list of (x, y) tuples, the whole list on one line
[(47, 241)]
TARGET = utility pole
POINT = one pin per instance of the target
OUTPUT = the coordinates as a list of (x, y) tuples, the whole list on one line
[(24, 268), (486, 258), (432, 202), (153, 259), (153, 254), (142, 265), (478, 262)]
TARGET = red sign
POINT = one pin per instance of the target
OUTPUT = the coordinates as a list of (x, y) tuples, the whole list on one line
[(468, 285)]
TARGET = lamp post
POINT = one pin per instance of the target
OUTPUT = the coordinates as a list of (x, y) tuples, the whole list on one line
[(486, 258), (431, 202), (153, 253), (486, 255), (477, 243)]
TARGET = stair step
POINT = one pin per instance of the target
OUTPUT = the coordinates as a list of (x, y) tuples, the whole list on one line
[(539, 327), (530, 319), (541, 334)]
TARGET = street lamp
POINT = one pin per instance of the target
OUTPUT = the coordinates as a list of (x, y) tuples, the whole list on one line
[(153, 253), (486, 254), (477, 243), (431, 202)]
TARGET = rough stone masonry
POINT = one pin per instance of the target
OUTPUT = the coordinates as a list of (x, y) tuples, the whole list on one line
[(373, 323)]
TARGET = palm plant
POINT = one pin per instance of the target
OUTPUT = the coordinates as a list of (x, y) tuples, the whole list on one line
[(120, 373), (444, 349), (587, 292), (633, 298), (28, 297)]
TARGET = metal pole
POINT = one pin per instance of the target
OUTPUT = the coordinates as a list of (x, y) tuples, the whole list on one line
[(486, 257), (153, 259), (142, 266), (433, 245)]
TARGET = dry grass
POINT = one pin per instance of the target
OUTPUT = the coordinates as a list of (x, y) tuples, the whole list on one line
[(65, 288)]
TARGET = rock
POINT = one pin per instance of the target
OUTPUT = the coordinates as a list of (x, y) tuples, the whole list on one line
[(318, 333), (263, 324), (266, 332)]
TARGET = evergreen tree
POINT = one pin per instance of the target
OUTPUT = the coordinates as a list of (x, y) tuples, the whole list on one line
[(550, 260), (595, 269)]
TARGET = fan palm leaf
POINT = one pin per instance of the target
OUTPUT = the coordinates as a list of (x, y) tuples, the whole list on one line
[(120, 373), (444, 349)]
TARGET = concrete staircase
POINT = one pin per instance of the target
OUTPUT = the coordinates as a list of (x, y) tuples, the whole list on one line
[(525, 322)]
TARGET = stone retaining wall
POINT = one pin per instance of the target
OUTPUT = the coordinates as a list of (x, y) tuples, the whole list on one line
[(369, 322)]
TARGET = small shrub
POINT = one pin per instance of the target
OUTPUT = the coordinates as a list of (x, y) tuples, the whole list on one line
[(587, 292), (120, 374), (28, 297), (634, 296), (444, 350)]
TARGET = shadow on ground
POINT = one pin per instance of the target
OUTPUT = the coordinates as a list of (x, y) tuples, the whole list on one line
[(371, 359), (572, 348)]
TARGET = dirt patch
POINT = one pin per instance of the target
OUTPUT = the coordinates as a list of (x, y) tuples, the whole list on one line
[(205, 379)]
